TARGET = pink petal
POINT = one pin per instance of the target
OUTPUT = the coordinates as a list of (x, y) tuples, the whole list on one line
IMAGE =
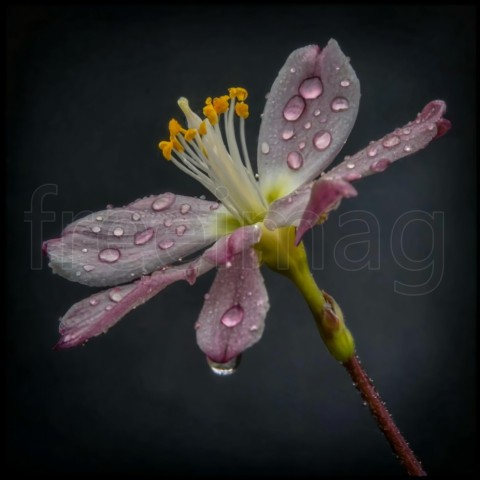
[(326, 195), (96, 314), (233, 315), (120, 244), (308, 116), (404, 141)]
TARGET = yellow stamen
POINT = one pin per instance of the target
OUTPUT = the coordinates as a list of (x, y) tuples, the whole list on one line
[(177, 145), (241, 109), (175, 128), (220, 104), (239, 93), (202, 129), (166, 148), (190, 134), (210, 113)]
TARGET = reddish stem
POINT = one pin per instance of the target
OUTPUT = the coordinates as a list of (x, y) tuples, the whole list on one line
[(382, 416)]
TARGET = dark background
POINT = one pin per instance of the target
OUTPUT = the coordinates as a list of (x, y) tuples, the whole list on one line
[(90, 91)]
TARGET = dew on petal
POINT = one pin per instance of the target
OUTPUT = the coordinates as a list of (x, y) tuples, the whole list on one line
[(88, 268), (84, 250), (430, 126), (350, 165), (109, 255), (406, 131), (307, 126), (292, 70), (253, 328), (99, 218), (407, 148), (352, 176), (136, 217), (115, 296), (311, 88), (345, 83), (339, 104), (180, 230), (93, 301), (322, 140), (380, 165), (141, 238), (108, 307), (301, 145), (294, 160), (391, 141), (223, 369), (118, 232), (168, 222), (294, 108), (371, 152), (163, 202), (96, 229), (233, 316), (316, 112), (214, 206), (166, 244), (78, 273), (185, 208), (288, 133), (265, 148)]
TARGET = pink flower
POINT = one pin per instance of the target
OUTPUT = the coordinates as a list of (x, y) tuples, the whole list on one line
[(137, 250)]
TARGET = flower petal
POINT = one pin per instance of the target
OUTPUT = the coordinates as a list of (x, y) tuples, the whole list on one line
[(325, 196), (334, 185), (404, 141), (232, 318), (120, 244), (96, 314), (308, 116)]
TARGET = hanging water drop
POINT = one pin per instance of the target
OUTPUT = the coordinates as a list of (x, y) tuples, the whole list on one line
[(223, 369)]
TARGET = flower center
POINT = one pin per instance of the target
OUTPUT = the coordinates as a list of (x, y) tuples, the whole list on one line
[(211, 154)]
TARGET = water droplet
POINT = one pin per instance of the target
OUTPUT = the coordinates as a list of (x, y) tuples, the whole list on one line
[(311, 88), (185, 208), (380, 165), (294, 160), (292, 70), (301, 145), (214, 206), (88, 268), (339, 104), (430, 126), (223, 369), (253, 328), (316, 113), (391, 141), (257, 176), (180, 230), (233, 316), (288, 133), (307, 126), (371, 152), (166, 244), (206, 296), (118, 232), (163, 202), (294, 108), (93, 301), (84, 250), (406, 131), (141, 238), (407, 148), (322, 140), (96, 229), (265, 148), (108, 307), (109, 255), (289, 200), (202, 197), (168, 222), (99, 218), (136, 217), (345, 83), (350, 165), (115, 296), (78, 273)]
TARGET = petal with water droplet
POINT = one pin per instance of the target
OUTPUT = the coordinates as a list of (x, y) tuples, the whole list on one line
[(310, 82), (134, 240), (233, 315), (325, 196), (378, 155)]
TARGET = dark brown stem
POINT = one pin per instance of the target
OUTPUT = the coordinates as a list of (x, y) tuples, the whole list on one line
[(382, 416)]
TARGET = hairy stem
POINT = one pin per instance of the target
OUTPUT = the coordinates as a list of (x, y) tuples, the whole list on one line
[(384, 421)]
